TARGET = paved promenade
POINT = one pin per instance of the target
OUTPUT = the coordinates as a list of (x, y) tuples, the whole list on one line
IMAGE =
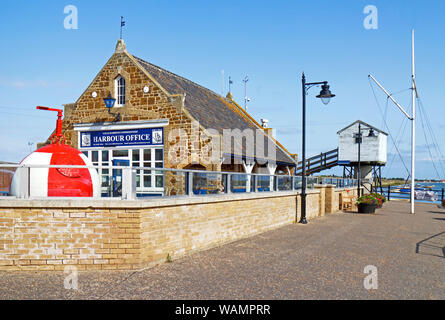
[(324, 259)]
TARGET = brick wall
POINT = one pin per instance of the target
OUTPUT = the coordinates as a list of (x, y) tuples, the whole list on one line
[(51, 238), (97, 234)]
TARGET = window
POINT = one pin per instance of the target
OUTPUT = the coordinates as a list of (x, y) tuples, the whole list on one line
[(120, 90), (147, 181)]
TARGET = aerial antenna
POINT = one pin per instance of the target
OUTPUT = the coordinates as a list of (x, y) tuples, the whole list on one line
[(246, 99), (30, 143), (122, 25), (230, 83)]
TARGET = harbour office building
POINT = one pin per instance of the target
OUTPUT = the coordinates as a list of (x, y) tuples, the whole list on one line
[(153, 121)]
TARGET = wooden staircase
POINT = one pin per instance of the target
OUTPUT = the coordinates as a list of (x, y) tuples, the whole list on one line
[(320, 162)]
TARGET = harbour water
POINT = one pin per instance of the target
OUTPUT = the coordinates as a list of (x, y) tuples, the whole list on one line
[(403, 192)]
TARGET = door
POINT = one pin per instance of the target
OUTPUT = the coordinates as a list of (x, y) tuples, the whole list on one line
[(117, 176)]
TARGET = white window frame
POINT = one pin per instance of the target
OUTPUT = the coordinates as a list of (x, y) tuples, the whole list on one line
[(118, 95), (140, 150)]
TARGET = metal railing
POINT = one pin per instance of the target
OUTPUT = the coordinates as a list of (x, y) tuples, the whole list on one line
[(338, 182), (435, 194), (124, 182)]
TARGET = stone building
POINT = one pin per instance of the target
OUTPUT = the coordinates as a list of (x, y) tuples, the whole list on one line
[(162, 120)]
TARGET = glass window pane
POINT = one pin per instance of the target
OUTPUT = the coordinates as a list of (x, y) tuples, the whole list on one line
[(138, 181), (120, 153), (147, 154), (85, 153), (105, 155), (147, 164), (105, 181), (147, 181), (94, 156), (158, 165), (136, 155), (159, 154), (159, 181), (105, 171)]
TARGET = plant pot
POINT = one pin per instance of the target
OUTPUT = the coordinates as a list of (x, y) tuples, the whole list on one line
[(366, 208)]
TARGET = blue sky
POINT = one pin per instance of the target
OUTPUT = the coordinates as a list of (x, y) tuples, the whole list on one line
[(42, 63)]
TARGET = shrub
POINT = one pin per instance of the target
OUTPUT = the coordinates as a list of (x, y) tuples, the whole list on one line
[(379, 196), (369, 199)]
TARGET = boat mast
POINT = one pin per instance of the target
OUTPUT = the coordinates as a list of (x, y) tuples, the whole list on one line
[(413, 122), (412, 118)]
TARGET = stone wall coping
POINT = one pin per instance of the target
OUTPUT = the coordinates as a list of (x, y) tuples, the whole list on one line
[(344, 189), (151, 203)]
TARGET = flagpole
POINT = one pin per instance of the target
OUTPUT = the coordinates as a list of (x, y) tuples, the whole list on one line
[(122, 24)]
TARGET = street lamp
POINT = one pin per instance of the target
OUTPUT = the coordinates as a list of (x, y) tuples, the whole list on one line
[(325, 96), (109, 103)]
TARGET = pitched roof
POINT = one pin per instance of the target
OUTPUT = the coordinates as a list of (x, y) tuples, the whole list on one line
[(362, 123), (214, 111)]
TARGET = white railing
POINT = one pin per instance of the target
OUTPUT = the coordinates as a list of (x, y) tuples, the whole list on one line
[(123, 182)]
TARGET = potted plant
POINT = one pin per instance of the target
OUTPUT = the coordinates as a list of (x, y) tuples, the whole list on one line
[(367, 204), (381, 199)]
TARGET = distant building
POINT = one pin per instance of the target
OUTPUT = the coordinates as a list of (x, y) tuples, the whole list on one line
[(6, 175)]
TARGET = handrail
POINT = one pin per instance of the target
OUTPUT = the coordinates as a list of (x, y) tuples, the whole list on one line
[(191, 183)]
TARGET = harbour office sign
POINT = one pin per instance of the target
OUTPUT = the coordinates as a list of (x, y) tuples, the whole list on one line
[(118, 138)]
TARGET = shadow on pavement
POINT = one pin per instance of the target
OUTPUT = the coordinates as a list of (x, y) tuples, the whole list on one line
[(437, 212), (432, 245)]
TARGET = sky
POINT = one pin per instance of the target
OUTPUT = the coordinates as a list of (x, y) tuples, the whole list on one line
[(273, 42)]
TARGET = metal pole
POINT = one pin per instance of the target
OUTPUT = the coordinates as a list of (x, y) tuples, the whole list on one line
[(391, 97), (413, 126), (245, 91), (303, 153), (245, 95), (359, 173)]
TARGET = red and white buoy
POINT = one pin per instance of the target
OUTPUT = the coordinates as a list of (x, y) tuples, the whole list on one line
[(56, 182)]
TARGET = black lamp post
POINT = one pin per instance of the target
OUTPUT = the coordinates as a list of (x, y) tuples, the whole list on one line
[(325, 96), (359, 173), (109, 103)]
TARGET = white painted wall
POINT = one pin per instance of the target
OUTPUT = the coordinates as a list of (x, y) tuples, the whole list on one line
[(373, 149)]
